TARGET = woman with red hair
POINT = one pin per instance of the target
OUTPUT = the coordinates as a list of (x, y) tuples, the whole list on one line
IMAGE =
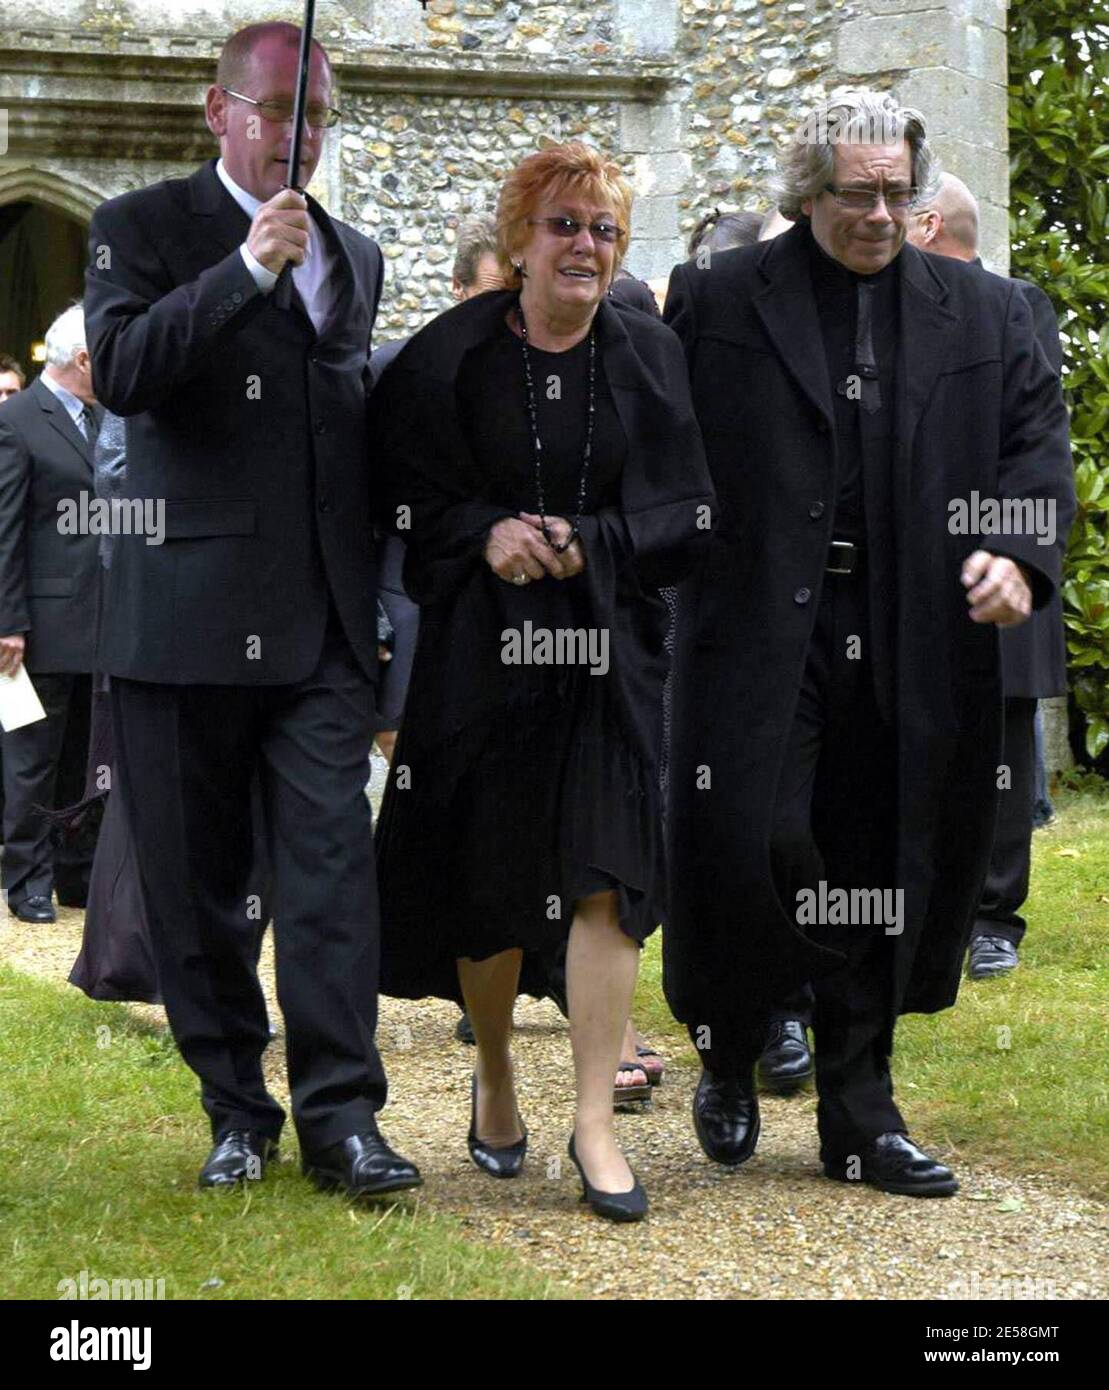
[(547, 475)]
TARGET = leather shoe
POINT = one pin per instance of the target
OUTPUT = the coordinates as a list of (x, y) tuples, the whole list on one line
[(893, 1163), (464, 1030), (237, 1156), (989, 956), (726, 1118), (786, 1062), (362, 1165), (36, 908)]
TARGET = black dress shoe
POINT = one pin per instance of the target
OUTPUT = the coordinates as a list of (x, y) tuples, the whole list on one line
[(990, 955), (786, 1062), (36, 908), (893, 1163), (726, 1118), (240, 1154), (362, 1165), (464, 1030), (613, 1206), (502, 1162)]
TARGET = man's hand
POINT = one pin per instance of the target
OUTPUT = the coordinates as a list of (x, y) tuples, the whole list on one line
[(11, 653), (279, 232), (513, 548), (573, 557), (997, 589)]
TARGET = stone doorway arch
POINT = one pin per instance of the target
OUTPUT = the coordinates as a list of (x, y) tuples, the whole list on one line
[(43, 235)]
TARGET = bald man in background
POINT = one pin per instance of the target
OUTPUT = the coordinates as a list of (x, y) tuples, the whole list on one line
[(1033, 655)]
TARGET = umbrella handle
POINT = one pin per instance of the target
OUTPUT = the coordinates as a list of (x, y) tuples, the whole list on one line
[(283, 290)]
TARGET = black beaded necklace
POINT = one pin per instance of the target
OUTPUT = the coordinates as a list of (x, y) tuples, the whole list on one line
[(541, 500)]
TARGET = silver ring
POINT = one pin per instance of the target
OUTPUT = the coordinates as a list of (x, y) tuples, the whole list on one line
[(519, 579)]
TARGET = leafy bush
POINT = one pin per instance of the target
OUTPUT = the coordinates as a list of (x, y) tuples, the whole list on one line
[(1059, 166)]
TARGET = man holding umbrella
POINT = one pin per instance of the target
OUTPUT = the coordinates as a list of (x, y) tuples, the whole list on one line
[(229, 321)]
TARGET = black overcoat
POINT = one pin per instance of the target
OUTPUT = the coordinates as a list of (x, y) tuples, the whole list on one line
[(436, 489), (977, 407)]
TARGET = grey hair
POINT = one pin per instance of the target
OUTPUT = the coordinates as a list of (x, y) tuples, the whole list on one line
[(476, 236), (858, 116), (65, 337)]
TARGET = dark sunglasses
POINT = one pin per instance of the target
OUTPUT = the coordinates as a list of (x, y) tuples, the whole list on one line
[(568, 228)]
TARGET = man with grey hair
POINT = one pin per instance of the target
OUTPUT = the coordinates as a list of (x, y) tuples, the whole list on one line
[(48, 606), (837, 700), (1033, 655)]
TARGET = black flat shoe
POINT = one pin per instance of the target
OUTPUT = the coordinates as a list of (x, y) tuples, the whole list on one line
[(362, 1165), (613, 1206), (893, 1163), (726, 1118), (786, 1062), (36, 908), (502, 1162), (464, 1030), (989, 956), (239, 1156)]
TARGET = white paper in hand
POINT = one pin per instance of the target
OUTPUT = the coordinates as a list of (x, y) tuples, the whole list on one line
[(19, 703)]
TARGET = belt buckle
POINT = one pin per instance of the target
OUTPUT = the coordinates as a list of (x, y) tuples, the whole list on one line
[(848, 553)]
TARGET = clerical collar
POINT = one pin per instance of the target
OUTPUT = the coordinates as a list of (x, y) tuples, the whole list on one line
[(828, 269)]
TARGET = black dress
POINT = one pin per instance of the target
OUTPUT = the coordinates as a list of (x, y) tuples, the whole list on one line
[(545, 800)]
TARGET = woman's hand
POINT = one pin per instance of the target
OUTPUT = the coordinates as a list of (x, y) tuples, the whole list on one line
[(573, 557), (514, 548)]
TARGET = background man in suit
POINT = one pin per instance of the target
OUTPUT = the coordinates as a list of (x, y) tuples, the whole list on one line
[(12, 378), (850, 390), (48, 597), (229, 324), (1033, 655)]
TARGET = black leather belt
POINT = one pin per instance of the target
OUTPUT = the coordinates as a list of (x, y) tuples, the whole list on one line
[(844, 557)]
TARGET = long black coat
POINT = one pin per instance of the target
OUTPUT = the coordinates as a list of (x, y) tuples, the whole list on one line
[(1034, 655), (656, 535), (249, 424), (977, 407), (49, 582)]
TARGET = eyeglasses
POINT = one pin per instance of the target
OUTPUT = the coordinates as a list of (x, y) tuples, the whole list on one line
[(567, 227), (280, 110), (896, 199)]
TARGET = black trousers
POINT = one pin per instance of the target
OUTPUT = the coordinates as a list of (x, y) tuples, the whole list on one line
[(188, 755), (44, 765), (1006, 886), (834, 821)]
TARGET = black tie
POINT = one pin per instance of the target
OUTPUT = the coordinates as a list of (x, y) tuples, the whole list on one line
[(90, 425), (865, 365)]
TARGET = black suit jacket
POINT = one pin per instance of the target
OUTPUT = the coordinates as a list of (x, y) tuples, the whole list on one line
[(250, 428), (1034, 655), (48, 580), (977, 407)]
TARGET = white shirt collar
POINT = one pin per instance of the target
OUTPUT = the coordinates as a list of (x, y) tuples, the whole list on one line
[(247, 201), (73, 404)]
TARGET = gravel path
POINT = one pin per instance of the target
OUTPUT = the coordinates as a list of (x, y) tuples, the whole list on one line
[(774, 1229)]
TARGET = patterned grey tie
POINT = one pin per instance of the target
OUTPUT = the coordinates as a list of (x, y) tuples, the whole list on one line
[(865, 365)]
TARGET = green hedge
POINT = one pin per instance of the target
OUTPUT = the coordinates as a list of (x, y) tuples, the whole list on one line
[(1059, 166)]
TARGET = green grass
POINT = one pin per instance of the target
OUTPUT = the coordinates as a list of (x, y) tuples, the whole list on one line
[(99, 1147), (1015, 1073)]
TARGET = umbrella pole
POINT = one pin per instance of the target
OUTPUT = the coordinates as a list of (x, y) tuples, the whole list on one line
[(292, 172)]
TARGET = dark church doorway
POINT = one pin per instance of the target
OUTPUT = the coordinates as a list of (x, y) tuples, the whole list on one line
[(42, 271)]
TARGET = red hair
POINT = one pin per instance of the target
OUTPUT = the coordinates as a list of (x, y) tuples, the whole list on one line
[(551, 173)]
